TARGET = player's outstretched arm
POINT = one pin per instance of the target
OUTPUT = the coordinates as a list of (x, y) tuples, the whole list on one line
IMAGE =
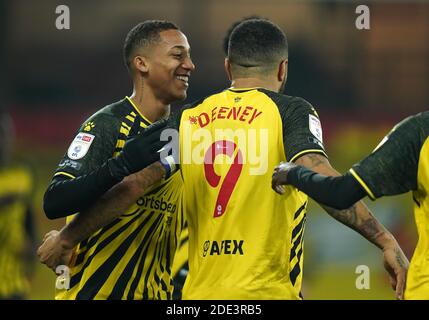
[(68, 196), (57, 247), (359, 218), (339, 192)]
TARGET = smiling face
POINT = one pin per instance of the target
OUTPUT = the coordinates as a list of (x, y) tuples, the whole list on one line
[(169, 66)]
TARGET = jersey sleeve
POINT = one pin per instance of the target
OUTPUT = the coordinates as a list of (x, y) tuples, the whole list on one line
[(174, 119), (392, 167), (176, 116), (302, 130), (94, 143)]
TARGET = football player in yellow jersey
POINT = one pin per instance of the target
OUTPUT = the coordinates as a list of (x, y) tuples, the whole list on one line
[(245, 241), (248, 244), (399, 164), (17, 229), (122, 246)]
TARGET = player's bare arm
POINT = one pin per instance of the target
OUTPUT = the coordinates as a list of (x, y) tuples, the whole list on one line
[(359, 218), (111, 205), (57, 246)]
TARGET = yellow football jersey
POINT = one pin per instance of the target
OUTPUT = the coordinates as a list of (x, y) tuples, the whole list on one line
[(245, 241), (417, 286), (398, 165), (130, 258)]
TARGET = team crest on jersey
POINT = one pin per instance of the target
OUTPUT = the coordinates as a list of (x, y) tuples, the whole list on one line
[(193, 119), (88, 126), (80, 146), (315, 127)]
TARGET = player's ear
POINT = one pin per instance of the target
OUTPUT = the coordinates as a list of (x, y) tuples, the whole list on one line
[(141, 63), (228, 69), (282, 70)]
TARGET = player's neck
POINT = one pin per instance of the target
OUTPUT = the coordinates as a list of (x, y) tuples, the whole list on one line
[(239, 83), (152, 108)]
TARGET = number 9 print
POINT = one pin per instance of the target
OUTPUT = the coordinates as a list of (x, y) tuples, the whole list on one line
[(228, 148)]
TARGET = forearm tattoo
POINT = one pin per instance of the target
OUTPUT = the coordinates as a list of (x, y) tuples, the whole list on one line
[(399, 258), (357, 217), (150, 175), (347, 216), (316, 160), (370, 228), (112, 204)]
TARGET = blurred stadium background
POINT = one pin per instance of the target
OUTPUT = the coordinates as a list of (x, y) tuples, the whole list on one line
[(361, 82)]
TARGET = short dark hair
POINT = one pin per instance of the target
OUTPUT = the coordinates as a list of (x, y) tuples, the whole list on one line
[(143, 34), (257, 43), (231, 28)]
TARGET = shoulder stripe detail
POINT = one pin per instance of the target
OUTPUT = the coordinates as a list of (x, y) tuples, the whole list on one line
[(363, 184), (62, 173), (129, 117), (125, 126), (299, 154), (124, 131), (146, 122), (138, 111), (119, 144)]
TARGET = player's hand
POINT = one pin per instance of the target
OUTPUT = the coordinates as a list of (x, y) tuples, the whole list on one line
[(279, 178), (53, 252), (396, 264), (139, 151)]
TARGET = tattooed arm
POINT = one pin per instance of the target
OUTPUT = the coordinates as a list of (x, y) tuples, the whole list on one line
[(359, 218), (57, 247)]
